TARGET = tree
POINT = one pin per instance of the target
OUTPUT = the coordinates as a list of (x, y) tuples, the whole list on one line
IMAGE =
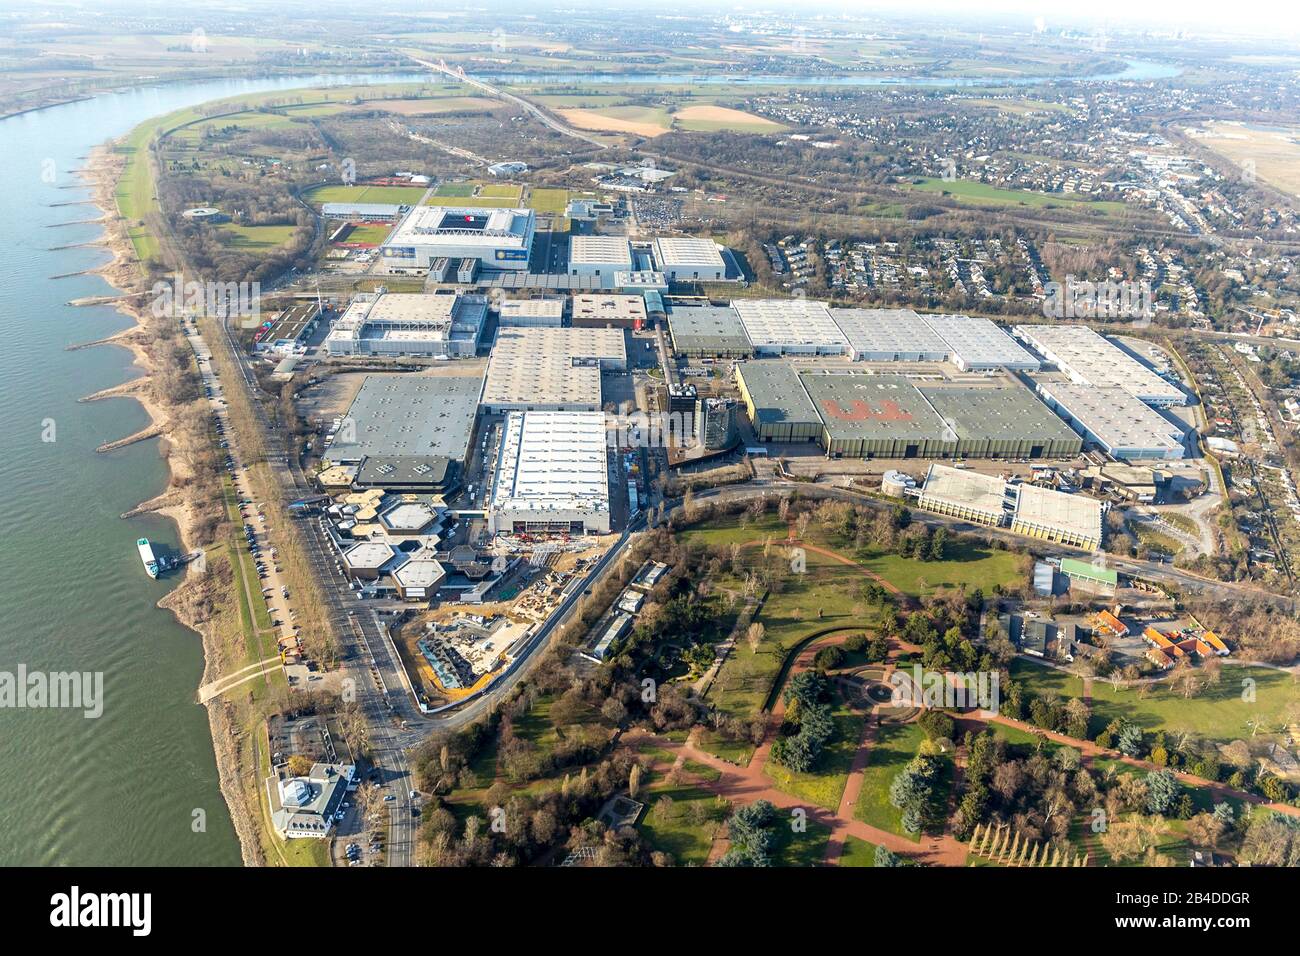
[(1162, 791), (1130, 740), (885, 857), (754, 636), (298, 765), (634, 781)]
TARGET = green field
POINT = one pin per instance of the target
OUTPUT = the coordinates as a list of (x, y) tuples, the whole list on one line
[(501, 191), (255, 237), (455, 190), (982, 194), (373, 235), (685, 827), (399, 195), (895, 745), (549, 201), (857, 853), (825, 785), (965, 565)]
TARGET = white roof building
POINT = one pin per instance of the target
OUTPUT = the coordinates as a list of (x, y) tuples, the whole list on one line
[(790, 327), (499, 238), (600, 257), (524, 313), (977, 345), (685, 259), (1111, 418), (409, 323), (1056, 516), (889, 335), (552, 475), (551, 369), (963, 494), (1091, 359)]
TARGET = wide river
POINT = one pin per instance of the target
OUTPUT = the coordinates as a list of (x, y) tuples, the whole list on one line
[(126, 787)]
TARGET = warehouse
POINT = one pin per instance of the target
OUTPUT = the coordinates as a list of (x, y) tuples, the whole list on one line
[(889, 335), (977, 345), (689, 260), (289, 329), (967, 495), (1091, 359), (777, 404), (551, 369), (708, 332), (877, 416), (1055, 516), (1002, 422), (790, 327), (424, 422), (496, 238), (409, 323), (530, 313), (600, 258), (609, 311), (1115, 421), (552, 475)]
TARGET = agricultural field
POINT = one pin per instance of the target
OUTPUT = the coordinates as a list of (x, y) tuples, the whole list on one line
[(649, 121), (981, 194), (1273, 153), (711, 119), (431, 106)]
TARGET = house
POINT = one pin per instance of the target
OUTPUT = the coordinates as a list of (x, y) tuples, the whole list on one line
[(1108, 622), (309, 806), (1034, 639)]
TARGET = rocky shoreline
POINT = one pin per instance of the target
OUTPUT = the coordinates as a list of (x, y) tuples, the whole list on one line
[(102, 170)]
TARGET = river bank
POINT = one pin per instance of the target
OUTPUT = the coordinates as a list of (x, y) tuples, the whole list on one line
[(184, 443)]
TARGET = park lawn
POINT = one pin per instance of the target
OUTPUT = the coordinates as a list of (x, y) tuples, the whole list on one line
[(702, 770), (255, 237), (738, 752), (857, 852), (674, 828), (895, 745), (729, 530), (824, 785), (799, 849), (966, 564), (982, 194)]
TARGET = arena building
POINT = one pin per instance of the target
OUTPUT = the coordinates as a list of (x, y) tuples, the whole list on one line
[(889, 335), (790, 327), (977, 345), (1091, 359), (409, 323), (689, 260), (535, 369), (552, 475), (1055, 516), (499, 239), (1116, 422)]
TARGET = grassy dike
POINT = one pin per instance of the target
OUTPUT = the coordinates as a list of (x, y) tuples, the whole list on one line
[(233, 621)]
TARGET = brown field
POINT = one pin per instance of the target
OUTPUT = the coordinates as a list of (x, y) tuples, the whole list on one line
[(426, 107), (642, 122), (1274, 153)]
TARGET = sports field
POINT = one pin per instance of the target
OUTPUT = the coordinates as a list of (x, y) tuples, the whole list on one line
[(400, 195)]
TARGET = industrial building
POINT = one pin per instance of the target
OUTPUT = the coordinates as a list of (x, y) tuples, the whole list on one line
[(967, 495), (552, 476), (708, 332), (1116, 422), (877, 416), (790, 327), (440, 325), (1001, 422), (889, 335), (608, 311), (289, 329), (779, 408), (715, 423), (551, 369), (865, 415), (417, 426), (689, 260), (977, 345), (530, 313), (1055, 516), (1091, 359), (499, 239), (600, 258)]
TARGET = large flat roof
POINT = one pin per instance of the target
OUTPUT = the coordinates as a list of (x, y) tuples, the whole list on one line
[(408, 415), (1114, 416), (552, 461), (789, 323), (612, 251), (707, 328), (873, 406), (489, 227), (1072, 514), (614, 308), (966, 489), (676, 252), (897, 331), (777, 393), (1092, 359), (551, 366), (976, 343), (1010, 413)]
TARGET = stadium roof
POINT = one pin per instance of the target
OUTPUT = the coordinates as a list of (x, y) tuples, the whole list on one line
[(409, 415), (489, 227)]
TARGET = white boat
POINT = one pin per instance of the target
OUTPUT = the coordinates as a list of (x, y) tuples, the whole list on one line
[(151, 565)]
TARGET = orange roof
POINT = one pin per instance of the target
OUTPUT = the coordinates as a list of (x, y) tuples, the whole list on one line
[(1111, 622), (1213, 640)]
